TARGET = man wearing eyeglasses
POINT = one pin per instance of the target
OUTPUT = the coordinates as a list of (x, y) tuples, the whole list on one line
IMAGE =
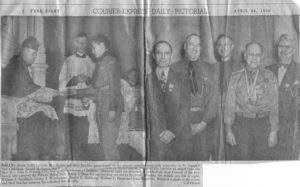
[(251, 109), (287, 74), (201, 101)]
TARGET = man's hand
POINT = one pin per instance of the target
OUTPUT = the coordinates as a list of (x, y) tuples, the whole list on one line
[(272, 139), (47, 98), (111, 116), (166, 136), (230, 138), (198, 127)]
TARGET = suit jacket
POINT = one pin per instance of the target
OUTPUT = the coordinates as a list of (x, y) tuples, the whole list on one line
[(16, 80), (206, 99), (175, 99), (166, 105), (156, 118), (287, 99)]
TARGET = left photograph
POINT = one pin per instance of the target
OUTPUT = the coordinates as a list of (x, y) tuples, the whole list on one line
[(72, 88)]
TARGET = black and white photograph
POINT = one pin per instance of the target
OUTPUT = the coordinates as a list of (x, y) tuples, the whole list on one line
[(72, 88), (223, 88), (150, 93)]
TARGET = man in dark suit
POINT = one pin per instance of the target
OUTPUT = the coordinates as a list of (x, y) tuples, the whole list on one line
[(287, 73), (172, 135), (200, 106)]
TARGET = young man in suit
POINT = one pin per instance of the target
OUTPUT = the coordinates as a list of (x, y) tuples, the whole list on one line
[(287, 74)]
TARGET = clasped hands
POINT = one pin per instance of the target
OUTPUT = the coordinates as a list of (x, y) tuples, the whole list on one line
[(167, 136), (197, 128)]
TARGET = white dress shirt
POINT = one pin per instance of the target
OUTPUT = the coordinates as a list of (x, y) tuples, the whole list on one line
[(281, 73), (162, 73)]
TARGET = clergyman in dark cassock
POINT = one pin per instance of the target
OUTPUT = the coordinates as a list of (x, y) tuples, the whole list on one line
[(36, 137), (171, 136)]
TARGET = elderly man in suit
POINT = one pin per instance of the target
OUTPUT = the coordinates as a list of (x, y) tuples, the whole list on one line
[(287, 74), (200, 105), (171, 136)]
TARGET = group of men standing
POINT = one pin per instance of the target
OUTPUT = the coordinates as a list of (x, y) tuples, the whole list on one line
[(189, 101)]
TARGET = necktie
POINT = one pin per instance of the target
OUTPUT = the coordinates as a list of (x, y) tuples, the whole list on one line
[(221, 78), (192, 78), (163, 80), (251, 77)]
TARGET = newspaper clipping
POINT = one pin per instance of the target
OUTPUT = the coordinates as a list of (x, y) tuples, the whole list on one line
[(145, 93)]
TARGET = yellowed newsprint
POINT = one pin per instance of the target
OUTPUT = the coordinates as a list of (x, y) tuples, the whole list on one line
[(150, 93)]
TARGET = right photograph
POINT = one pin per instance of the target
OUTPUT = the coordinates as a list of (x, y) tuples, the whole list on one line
[(222, 88)]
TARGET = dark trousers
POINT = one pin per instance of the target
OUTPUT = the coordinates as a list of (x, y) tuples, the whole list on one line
[(204, 144), (78, 140), (177, 150), (37, 138), (127, 153), (182, 150), (156, 149), (251, 135), (284, 149), (109, 130)]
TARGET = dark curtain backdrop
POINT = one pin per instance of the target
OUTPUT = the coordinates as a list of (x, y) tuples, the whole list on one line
[(125, 34), (243, 29)]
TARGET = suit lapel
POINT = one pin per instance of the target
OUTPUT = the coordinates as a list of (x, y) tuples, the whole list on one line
[(289, 74)]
